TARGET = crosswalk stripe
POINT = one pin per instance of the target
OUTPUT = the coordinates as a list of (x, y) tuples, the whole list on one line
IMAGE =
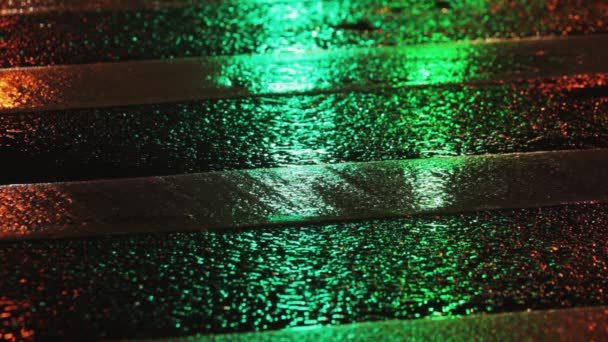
[(574, 324), (188, 79), (350, 191), (13, 7)]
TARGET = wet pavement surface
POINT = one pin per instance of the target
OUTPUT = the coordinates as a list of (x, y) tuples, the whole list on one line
[(558, 113), (185, 283), (263, 27), (345, 70), (557, 325), (278, 84), (225, 201)]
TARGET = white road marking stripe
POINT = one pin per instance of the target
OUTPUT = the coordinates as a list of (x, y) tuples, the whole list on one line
[(350, 191), (574, 324), (14, 7), (189, 79)]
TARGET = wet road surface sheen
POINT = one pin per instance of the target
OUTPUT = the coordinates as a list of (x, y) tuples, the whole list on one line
[(180, 80), (225, 201), (575, 324), (13, 7), (185, 283), (448, 120), (161, 282), (263, 27)]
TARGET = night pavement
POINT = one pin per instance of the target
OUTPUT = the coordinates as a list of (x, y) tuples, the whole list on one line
[(303, 165), (162, 285)]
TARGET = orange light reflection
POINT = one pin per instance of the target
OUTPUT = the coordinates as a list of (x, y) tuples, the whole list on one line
[(28, 210), (22, 89), (11, 315)]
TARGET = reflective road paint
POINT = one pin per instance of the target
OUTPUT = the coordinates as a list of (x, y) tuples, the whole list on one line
[(349, 191), (162, 81), (22, 7), (577, 324), (277, 131)]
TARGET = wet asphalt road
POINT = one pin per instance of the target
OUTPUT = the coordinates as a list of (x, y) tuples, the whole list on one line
[(230, 200), (245, 27), (182, 283), (213, 135)]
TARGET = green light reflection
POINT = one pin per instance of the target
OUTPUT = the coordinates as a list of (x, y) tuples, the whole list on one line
[(430, 182), (294, 131), (344, 70)]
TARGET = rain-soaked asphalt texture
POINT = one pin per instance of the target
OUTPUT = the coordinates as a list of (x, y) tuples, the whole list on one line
[(229, 29), (447, 120), (176, 284), (184, 283)]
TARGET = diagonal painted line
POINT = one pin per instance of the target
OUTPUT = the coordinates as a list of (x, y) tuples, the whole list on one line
[(189, 79), (575, 324), (13, 7), (232, 199)]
